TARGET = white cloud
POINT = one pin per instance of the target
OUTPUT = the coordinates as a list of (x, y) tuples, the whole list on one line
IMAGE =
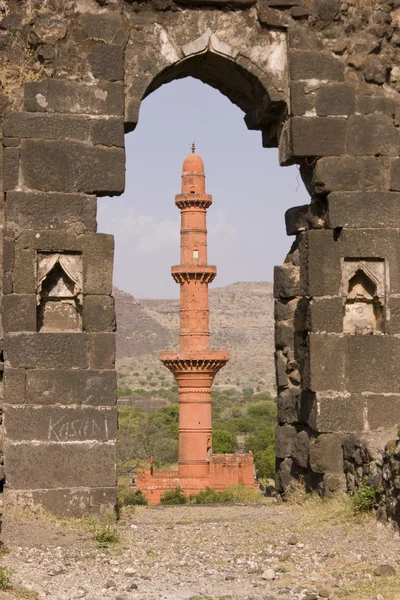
[(144, 234), (221, 229)]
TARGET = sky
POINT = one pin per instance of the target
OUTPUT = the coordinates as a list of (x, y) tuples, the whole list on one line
[(251, 192)]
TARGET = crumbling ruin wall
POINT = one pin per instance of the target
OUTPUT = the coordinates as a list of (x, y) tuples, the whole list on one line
[(317, 79)]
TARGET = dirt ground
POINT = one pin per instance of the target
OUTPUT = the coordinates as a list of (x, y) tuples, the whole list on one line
[(258, 552)]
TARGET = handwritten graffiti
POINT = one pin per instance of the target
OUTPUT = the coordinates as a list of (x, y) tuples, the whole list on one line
[(87, 428)]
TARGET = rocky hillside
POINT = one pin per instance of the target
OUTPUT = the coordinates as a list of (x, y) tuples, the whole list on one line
[(241, 320)]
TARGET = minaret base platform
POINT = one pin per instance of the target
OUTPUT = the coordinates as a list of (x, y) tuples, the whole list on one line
[(224, 470)]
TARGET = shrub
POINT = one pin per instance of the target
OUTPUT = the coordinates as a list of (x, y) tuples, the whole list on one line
[(364, 498), (233, 494), (130, 497), (106, 535), (175, 496), (210, 496), (5, 578)]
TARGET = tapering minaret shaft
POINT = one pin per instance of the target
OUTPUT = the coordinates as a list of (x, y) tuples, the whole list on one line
[(196, 365)]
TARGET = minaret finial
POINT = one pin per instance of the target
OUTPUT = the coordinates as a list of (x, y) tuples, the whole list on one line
[(193, 147)]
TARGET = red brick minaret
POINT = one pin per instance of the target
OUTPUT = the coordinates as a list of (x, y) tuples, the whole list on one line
[(195, 366)]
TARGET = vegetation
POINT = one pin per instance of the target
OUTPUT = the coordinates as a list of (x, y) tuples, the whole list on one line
[(130, 497), (242, 420), (5, 578), (364, 499), (106, 535), (234, 494), (175, 496)]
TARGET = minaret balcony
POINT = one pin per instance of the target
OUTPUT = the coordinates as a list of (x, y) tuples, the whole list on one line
[(193, 200), (202, 273)]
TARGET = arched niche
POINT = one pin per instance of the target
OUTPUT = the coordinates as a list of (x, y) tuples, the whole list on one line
[(364, 297), (59, 292)]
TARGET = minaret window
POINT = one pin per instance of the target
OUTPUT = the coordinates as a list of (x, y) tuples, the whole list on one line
[(195, 253)]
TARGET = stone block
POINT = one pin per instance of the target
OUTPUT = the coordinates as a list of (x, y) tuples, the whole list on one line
[(271, 17), (320, 272), (58, 166), (296, 219), (372, 135), (339, 413), (300, 102), (306, 64), (7, 283), (368, 356), (326, 454), (19, 312), (327, 361), (284, 309), (316, 136), (348, 173), (284, 476), (395, 175), (335, 99), (46, 350), (284, 335), (301, 449), (364, 209), (23, 274), (102, 350), (8, 253), (299, 38), (107, 132), (11, 163), (30, 210), (283, 3), (89, 387), (105, 27), (107, 62), (33, 466), (383, 411), (14, 385), (280, 369), (326, 10), (60, 423), (333, 484), (286, 281), (392, 324), (98, 262), (98, 313), (64, 502), (284, 440), (47, 126), (288, 406), (62, 96), (325, 314), (221, 3), (381, 105)]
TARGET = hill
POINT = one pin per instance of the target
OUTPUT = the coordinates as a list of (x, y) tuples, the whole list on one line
[(241, 321)]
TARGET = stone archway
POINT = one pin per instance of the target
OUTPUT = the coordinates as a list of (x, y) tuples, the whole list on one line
[(296, 76)]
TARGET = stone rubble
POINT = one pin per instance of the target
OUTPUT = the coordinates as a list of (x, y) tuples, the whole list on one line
[(179, 553)]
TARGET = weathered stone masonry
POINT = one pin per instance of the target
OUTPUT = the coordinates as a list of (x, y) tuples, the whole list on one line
[(319, 79)]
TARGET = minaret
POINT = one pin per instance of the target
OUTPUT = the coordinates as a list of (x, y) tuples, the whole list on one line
[(195, 365)]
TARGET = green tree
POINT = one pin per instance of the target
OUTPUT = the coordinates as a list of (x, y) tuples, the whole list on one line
[(223, 441), (261, 444)]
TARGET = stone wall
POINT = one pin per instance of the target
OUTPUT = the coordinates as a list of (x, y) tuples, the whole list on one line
[(318, 79)]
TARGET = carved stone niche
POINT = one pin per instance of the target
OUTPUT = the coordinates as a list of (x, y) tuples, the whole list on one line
[(364, 292), (59, 291)]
